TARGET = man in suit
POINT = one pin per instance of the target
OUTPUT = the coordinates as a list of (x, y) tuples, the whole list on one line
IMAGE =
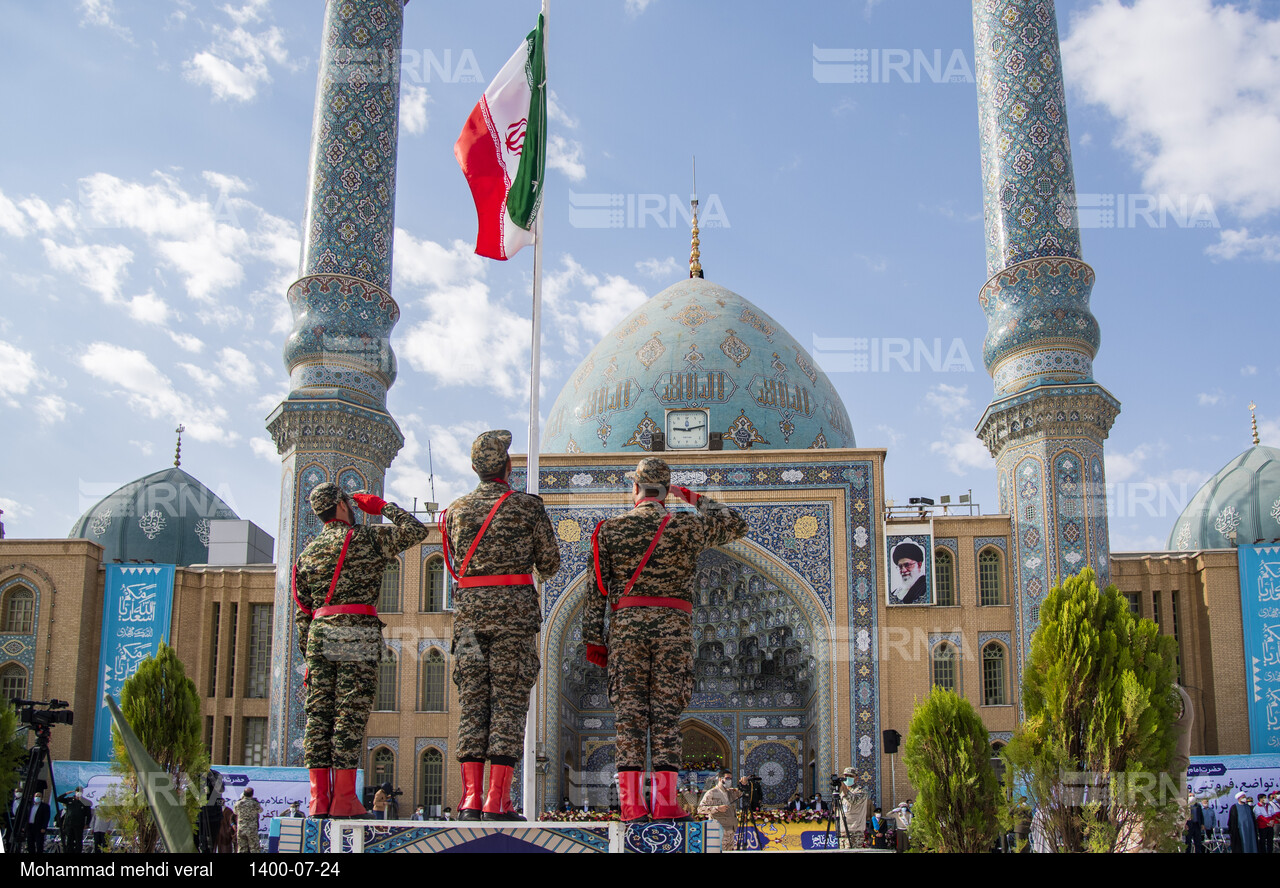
[(37, 824)]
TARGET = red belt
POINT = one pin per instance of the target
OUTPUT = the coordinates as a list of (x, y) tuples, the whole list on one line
[(647, 601), (497, 580), (330, 609)]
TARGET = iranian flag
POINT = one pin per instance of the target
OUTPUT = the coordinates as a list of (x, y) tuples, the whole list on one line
[(503, 151)]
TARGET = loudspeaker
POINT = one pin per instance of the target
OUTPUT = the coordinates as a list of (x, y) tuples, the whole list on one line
[(891, 739)]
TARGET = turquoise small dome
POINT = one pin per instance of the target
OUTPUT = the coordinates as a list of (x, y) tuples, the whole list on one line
[(1243, 497), (163, 517), (697, 345)]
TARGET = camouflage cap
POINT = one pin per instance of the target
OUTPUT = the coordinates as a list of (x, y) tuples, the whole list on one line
[(651, 470), (325, 497), (489, 451)]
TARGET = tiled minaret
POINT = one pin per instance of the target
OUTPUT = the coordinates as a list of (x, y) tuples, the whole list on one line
[(1048, 418), (334, 426)]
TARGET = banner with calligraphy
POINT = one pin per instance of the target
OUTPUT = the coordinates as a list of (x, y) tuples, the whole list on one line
[(136, 606), (1260, 612)]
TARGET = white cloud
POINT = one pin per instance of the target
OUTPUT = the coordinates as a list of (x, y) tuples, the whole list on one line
[(146, 448), (264, 448), (635, 7), (1234, 243), (102, 14), (1248, 370), (18, 372), (1193, 87), (49, 219), (962, 451), (52, 409), (610, 302), (1206, 400), (15, 509), (12, 221), (413, 108), (1122, 467), (187, 342), (99, 268), (235, 65), (664, 269), (948, 401), (151, 392), (556, 112), (565, 155), (206, 379), (149, 309), (237, 369)]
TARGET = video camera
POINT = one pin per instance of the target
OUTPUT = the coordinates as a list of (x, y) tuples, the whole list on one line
[(835, 782), (43, 718)]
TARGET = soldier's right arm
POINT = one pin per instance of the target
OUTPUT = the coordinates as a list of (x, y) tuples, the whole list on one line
[(593, 611), (302, 607)]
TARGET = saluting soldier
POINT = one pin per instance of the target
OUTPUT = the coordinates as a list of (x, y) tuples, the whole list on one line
[(336, 582), (247, 811), (645, 562), (498, 537)]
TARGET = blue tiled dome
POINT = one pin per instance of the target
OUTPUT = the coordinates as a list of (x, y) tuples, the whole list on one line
[(697, 344), (163, 517), (1243, 497)]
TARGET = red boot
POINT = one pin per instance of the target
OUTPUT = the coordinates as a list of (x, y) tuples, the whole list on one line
[(499, 792), (631, 796), (345, 802), (665, 797), (320, 795), (472, 791)]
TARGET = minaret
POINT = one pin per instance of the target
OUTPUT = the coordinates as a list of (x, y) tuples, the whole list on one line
[(1048, 418), (334, 426)]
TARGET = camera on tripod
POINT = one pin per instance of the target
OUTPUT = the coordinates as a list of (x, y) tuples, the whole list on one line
[(43, 718), (835, 782)]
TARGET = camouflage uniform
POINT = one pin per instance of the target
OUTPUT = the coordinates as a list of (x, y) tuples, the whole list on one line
[(342, 650), (247, 810), (494, 645), (651, 648)]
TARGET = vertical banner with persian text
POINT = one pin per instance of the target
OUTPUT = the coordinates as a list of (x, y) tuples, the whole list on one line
[(1260, 612), (136, 606)]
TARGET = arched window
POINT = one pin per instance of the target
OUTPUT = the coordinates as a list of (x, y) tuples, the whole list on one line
[(20, 610), (13, 683), (990, 575), (946, 673), (431, 698), (385, 701), (383, 766), (432, 586), (993, 684), (431, 771), (389, 595), (945, 575)]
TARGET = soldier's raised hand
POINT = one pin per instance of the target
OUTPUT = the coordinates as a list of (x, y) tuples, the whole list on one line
[(686, 494), (369, 503)]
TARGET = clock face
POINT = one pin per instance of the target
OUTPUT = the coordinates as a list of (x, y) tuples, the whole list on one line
[(687, 429)]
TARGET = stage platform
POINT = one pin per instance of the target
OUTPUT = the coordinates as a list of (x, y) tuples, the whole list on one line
[(298, 836)]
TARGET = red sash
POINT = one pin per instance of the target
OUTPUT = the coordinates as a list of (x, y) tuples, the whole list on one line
[(465, 582), (325, 610), (627, 599)]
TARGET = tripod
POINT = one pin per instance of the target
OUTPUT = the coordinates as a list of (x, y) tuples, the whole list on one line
[(38, 757), (838, 820), (747, 819)]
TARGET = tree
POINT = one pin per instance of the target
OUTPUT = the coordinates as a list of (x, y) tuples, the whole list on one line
[(1094, 751), (948, 759), (162, 707), (13, 750)]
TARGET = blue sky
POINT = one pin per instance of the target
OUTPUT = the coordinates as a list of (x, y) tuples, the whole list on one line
[(153, 182)]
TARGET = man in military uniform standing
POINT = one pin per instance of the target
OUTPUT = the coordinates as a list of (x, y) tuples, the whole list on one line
[(335, 585), (498, 537), (645, 562), (247, 811)]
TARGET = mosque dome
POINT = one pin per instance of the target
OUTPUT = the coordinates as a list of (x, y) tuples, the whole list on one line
[(163, 517), (697, 346), (1243, 497)]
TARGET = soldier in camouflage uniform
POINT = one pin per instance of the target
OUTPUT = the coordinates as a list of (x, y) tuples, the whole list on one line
[(340, 634), (497, 537), (645, 562), (247, 809)]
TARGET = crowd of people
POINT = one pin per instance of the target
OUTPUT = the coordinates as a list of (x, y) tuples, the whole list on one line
[(1249, 828)]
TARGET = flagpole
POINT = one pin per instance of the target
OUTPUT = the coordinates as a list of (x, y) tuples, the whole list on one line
[(530, 782)]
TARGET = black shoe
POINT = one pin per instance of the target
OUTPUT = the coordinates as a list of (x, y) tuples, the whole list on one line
[(469, 814)]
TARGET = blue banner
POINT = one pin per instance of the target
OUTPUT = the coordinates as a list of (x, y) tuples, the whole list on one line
[(1260, 607), (136, 606)]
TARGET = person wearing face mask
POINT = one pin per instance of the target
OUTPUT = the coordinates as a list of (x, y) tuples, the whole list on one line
[(498, 537), (854, 805), (718, 804), (336, 583), (76, 811)]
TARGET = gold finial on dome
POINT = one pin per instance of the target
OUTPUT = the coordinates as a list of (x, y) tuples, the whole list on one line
[(177, 453), (1254, 416), (695, 255)]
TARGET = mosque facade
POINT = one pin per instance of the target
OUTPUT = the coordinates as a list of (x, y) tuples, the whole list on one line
[(809, 650)]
